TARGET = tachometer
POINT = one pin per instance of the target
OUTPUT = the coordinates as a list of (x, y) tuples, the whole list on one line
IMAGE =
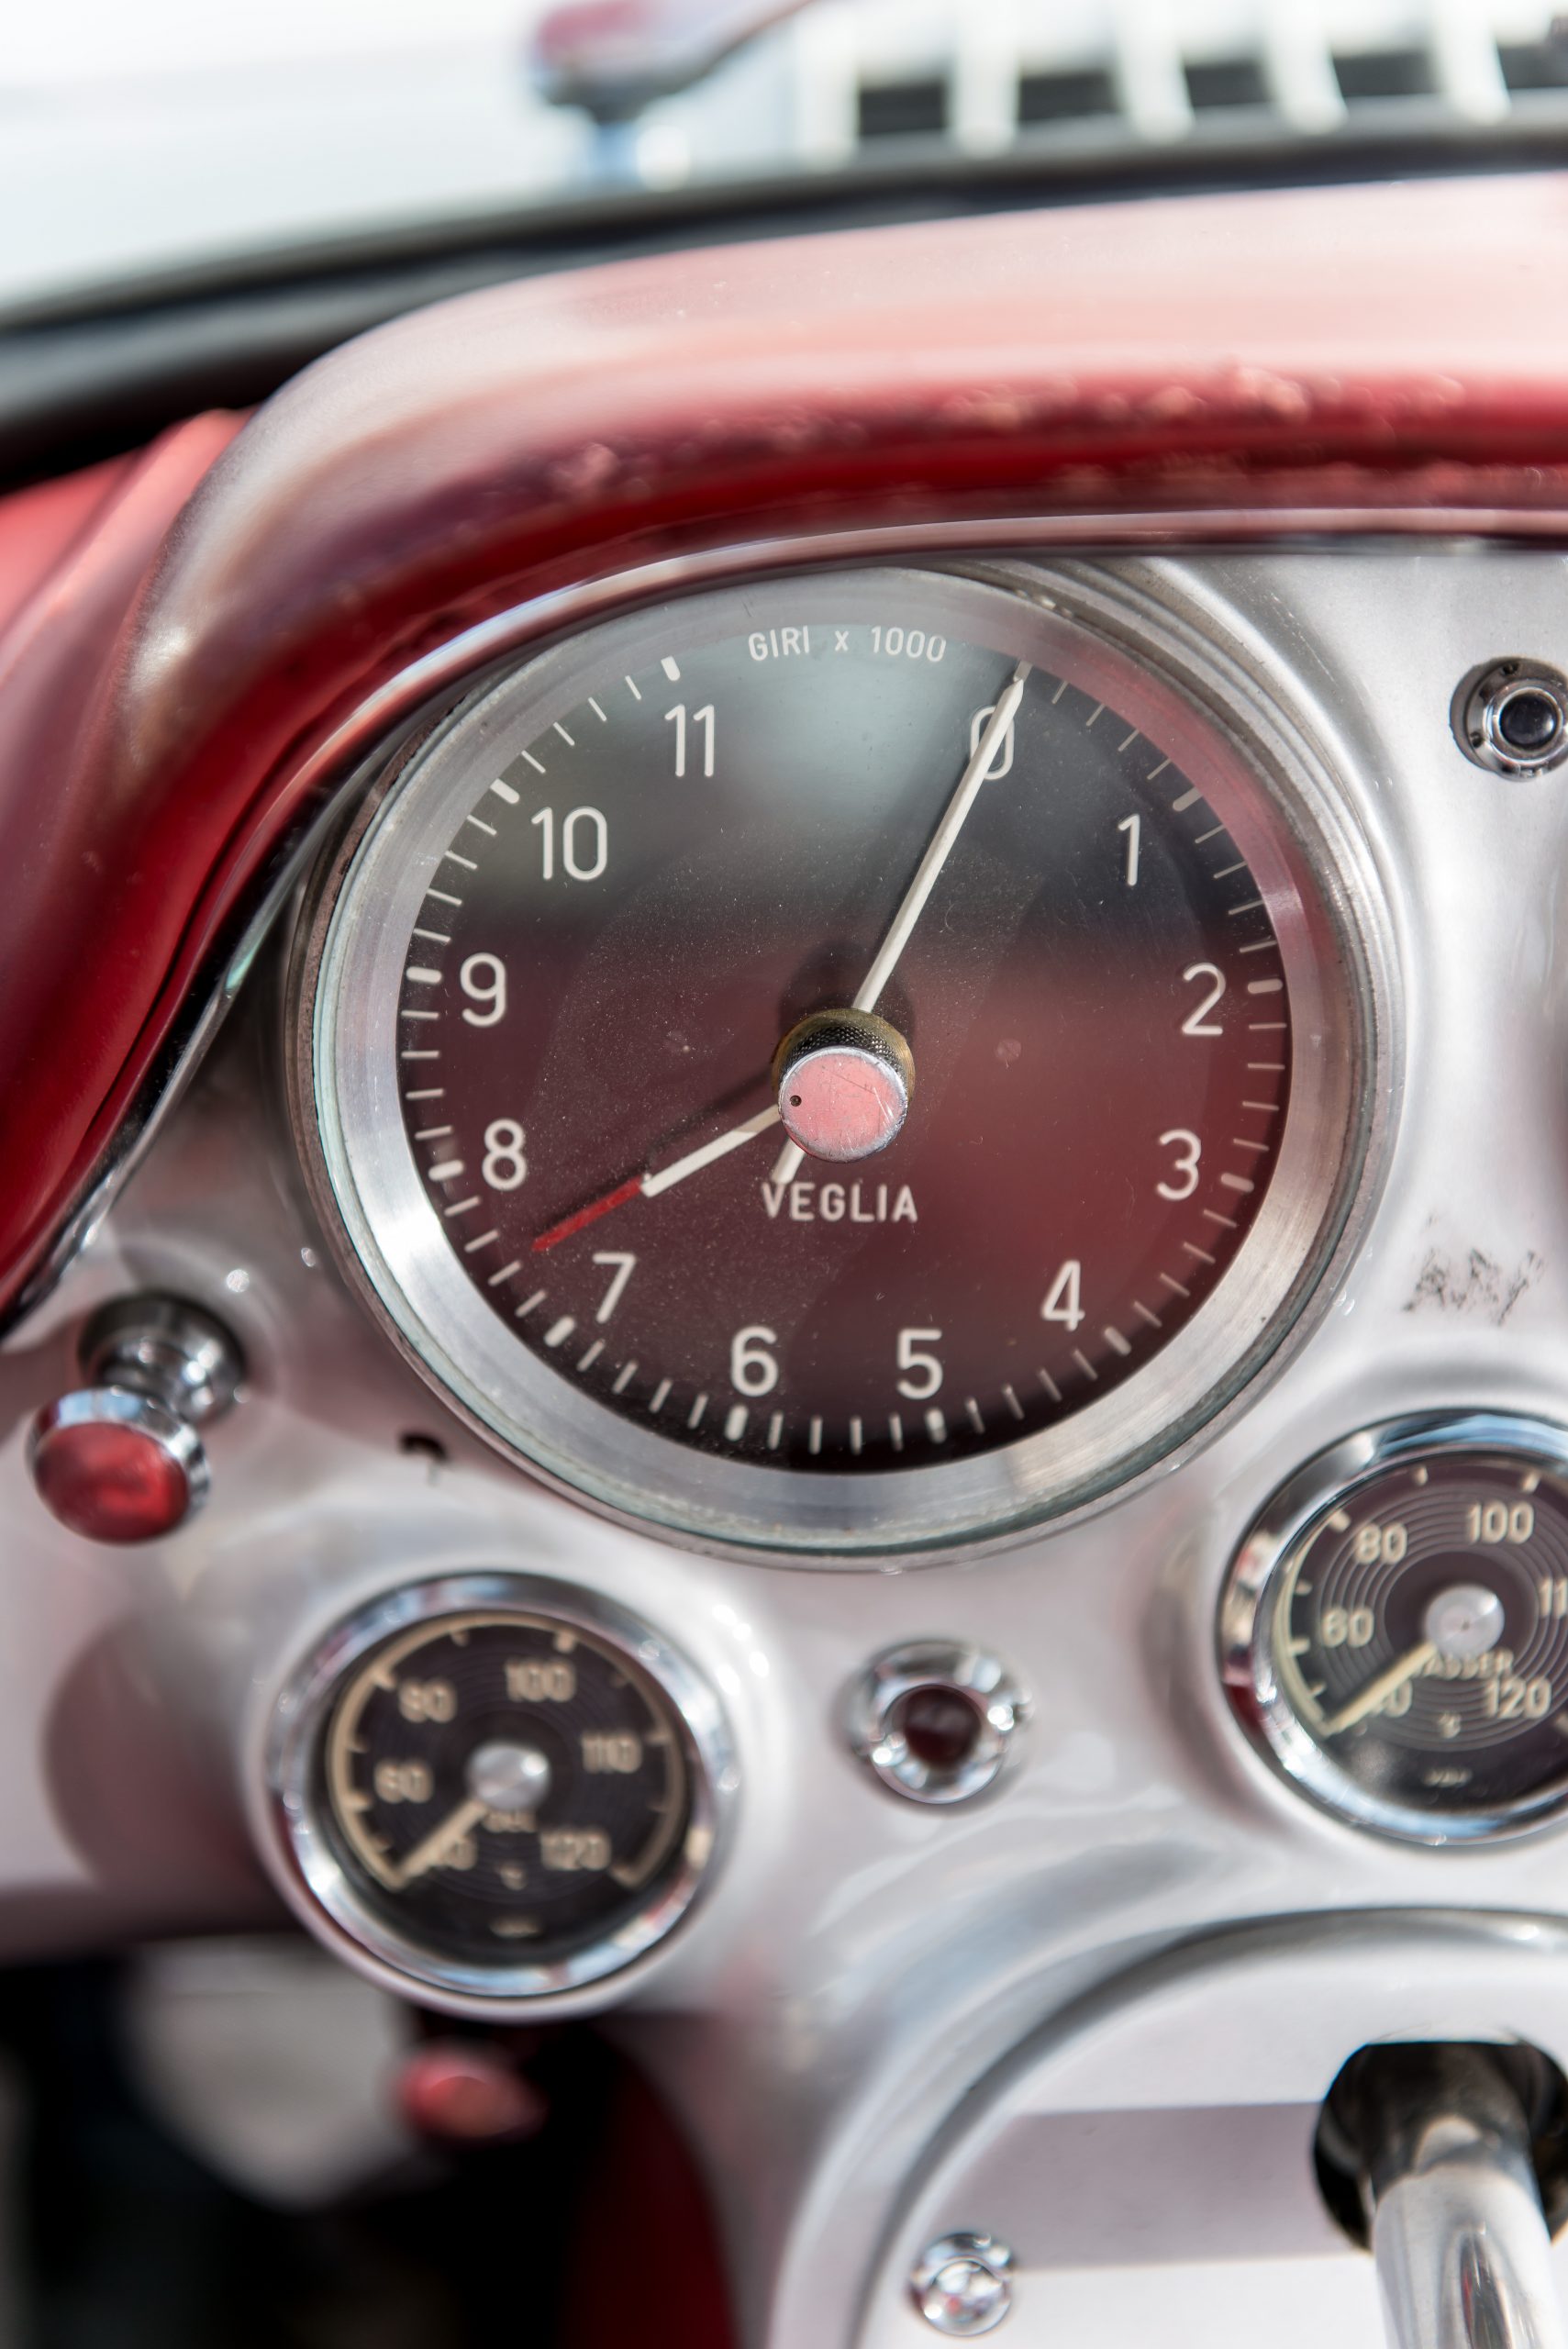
[(840, 1062)]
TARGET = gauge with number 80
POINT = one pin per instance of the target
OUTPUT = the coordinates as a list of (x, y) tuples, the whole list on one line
[(499, 1788), (1395, 1631)]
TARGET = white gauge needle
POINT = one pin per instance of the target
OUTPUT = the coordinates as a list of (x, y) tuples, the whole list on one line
[(667, 1178), (439, 1841), (927, 876), (647, 1185), (1377, 1691)]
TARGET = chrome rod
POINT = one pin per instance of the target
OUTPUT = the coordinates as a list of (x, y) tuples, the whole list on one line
[(1458, 2235)]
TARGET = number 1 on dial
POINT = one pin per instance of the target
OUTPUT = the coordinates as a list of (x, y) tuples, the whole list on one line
[(1133, 827)]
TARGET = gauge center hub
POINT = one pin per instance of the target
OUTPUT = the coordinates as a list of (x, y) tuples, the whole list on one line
[(1466, 1621), (507, 1776), (844, 1083)]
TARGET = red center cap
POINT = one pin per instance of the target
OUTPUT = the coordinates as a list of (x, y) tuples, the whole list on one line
[(840, 1101), (112, 1478)]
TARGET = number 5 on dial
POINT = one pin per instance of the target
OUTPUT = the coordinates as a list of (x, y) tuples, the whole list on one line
[(922, 1372)]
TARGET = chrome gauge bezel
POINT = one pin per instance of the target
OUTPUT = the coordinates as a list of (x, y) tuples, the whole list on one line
[(1260, 1704), (1290, 822), (299, 1847)]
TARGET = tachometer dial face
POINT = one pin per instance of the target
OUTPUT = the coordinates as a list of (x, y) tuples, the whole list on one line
[(1407, 1652), (838, 1031), (499, 1789)]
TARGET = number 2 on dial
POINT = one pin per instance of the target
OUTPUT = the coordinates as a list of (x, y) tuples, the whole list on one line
[(1197, 1021)]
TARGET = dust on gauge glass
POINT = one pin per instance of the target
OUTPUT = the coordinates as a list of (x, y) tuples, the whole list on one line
[(833, 1033)]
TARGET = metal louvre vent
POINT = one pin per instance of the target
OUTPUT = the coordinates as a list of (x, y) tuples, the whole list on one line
[(985, 75)]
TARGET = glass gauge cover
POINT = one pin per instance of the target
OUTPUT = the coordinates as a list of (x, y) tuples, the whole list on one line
[(500, 1787), (1394, 1633), (799, 1062)]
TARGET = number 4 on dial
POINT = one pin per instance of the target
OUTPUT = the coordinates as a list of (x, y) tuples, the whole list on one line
[(1063, 1299)]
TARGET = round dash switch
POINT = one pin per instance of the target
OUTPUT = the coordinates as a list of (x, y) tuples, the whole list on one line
[(120, 1459), (936, 1720), (115, 1466)]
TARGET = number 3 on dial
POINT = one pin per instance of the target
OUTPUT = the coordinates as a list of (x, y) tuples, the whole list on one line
[(1188, 1149)]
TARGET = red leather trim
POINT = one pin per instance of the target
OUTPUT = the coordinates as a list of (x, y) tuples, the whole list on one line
[(1293, 355), (78, 892), (38, 525), (645, 2269)]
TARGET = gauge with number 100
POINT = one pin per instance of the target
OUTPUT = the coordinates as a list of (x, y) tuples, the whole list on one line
[(499, 1788), (1394, 1633), (847, 1064)]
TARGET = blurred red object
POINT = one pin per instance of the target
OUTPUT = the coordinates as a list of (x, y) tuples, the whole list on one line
[(111, 1480), (666, 2288), (613, 58), (464, 2090)]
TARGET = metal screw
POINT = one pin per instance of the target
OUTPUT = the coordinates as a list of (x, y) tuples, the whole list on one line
[(467, 2091), (961, 2285)]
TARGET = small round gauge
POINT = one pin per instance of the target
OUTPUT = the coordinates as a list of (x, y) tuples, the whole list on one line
[(1395, 1631), (499, 1788), (838, 1064)]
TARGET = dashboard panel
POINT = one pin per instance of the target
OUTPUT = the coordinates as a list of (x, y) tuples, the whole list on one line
[(1133, 1814), (898, 1667)]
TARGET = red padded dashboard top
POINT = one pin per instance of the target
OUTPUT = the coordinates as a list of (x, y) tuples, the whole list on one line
[(196, 645)]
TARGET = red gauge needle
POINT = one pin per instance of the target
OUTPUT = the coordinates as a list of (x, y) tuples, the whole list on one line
[(647, 1185)]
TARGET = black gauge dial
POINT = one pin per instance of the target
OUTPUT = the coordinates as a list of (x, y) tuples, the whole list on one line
[(1411, 1652), (648, 897), (504, 1787), (832, 1036)]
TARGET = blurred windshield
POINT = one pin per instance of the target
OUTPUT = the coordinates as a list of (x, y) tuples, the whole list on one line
[(139, 135)]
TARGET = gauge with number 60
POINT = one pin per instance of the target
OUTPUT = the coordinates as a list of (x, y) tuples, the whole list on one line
[(497, 1789), (1394, 1630)]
